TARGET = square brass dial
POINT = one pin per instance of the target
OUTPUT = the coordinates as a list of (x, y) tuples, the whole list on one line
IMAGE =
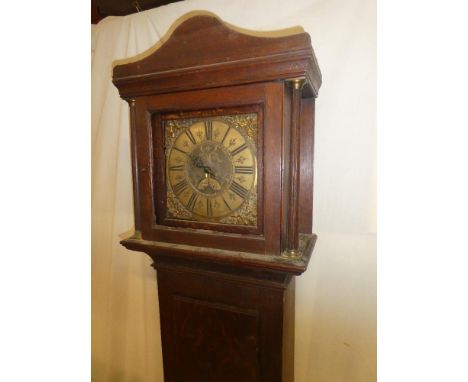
[(211, 169)]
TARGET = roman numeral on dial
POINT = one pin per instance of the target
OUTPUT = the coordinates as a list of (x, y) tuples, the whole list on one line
[(191, 203), (179, 187), (226, 204), (179, 167), (209, 208), (209, 130), (225, 134), (239, 190), (190, 136), (244, 170), (238, 150)]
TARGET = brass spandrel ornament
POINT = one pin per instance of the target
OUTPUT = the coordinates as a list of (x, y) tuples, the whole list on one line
[(211, 169)]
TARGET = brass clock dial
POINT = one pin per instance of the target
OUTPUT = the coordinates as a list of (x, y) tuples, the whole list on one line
[(211, 168)]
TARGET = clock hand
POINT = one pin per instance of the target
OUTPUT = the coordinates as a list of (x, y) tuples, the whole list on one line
[(198, 162), (209, 171)]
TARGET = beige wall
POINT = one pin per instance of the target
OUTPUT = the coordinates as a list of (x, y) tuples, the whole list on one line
[(336, 297)]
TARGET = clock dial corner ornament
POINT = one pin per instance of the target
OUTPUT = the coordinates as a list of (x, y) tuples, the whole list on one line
[(211, 168)]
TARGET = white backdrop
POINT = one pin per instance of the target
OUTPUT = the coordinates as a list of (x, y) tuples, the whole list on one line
[(336, 297)]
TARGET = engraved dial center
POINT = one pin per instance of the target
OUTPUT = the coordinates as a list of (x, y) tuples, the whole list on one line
[(209, 168)]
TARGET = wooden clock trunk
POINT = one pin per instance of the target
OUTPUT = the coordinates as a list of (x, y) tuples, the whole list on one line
[(226, 285), (226, 325)]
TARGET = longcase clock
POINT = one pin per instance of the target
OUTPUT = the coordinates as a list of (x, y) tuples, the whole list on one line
[(222, 155)]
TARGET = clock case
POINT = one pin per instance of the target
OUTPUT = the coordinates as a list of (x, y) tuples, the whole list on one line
[(206, 67), (226, 293)]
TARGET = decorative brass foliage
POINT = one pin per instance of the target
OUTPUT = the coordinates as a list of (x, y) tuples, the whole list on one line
[(246, 214), (245, 123), (175, 208)]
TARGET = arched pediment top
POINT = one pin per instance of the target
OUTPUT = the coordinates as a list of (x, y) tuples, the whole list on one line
[(205, 44)]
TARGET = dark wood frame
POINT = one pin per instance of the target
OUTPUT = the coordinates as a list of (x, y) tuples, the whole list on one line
[(160, 208), (268, 96)]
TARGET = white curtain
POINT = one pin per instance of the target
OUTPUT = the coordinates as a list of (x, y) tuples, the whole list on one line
[(336, 297)]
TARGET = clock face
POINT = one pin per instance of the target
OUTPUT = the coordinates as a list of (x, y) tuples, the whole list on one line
[(211, 169)]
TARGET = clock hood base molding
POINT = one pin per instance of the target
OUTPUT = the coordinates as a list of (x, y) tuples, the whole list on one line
[(234, 259)]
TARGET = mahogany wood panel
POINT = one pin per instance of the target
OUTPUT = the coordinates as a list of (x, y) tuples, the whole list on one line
[(135, 169), (292, 237), (203, 52), (306, 187), (286, 152), (216, 327)]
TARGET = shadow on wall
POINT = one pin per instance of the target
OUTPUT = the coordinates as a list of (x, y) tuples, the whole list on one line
[(336, 311)]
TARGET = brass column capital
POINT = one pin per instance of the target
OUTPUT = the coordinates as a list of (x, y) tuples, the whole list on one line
[(296, 83)]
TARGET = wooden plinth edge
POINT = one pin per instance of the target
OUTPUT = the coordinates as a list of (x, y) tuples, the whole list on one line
[(276, 263)]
